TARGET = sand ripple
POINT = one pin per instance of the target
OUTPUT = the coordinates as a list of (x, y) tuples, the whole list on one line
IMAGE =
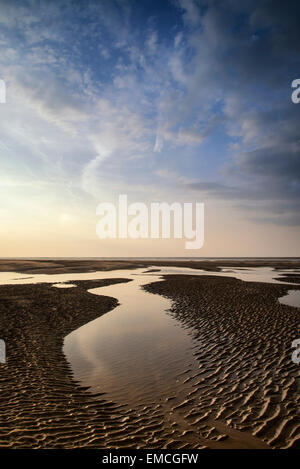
[(245, 393)]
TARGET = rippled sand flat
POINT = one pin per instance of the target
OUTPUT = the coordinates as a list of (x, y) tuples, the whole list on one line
[(244, 393), (246, 377)]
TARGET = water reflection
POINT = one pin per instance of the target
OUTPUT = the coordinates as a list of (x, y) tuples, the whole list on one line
[(63, 285), (291, 299), (135, 352)]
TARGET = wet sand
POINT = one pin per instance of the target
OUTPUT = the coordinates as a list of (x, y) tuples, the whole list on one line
[(245, 394), (45, 266), (247, 378), (291, 278)]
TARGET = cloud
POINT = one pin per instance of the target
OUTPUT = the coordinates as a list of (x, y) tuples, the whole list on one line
[(191, 12), (98, 100), (274, 162), (251, 90), (152, 42)]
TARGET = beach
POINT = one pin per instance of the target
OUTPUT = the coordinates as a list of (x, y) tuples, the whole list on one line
[(245, 393)]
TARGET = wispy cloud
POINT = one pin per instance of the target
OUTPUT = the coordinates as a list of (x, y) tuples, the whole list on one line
[(187, 96)]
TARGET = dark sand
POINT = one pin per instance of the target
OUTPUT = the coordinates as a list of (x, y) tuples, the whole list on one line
[(247, 378), (291, 278), (246, 394), (58, 266)]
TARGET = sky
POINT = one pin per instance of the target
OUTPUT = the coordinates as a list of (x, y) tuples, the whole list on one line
[(165, 101)]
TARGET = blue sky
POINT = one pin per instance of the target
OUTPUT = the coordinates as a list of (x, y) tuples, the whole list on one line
[(174, 100)]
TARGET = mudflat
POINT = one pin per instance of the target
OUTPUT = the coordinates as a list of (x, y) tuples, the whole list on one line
[(47, 266), (245, 393)]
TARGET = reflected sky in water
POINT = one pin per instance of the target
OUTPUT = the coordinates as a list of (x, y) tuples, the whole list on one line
[(136, 352)]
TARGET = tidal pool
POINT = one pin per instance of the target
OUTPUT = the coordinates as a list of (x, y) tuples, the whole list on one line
[(291, 299), (137, 353)]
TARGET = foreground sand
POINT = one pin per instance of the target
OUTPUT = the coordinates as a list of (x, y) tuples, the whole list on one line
[(246, 379), (246, 393)]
